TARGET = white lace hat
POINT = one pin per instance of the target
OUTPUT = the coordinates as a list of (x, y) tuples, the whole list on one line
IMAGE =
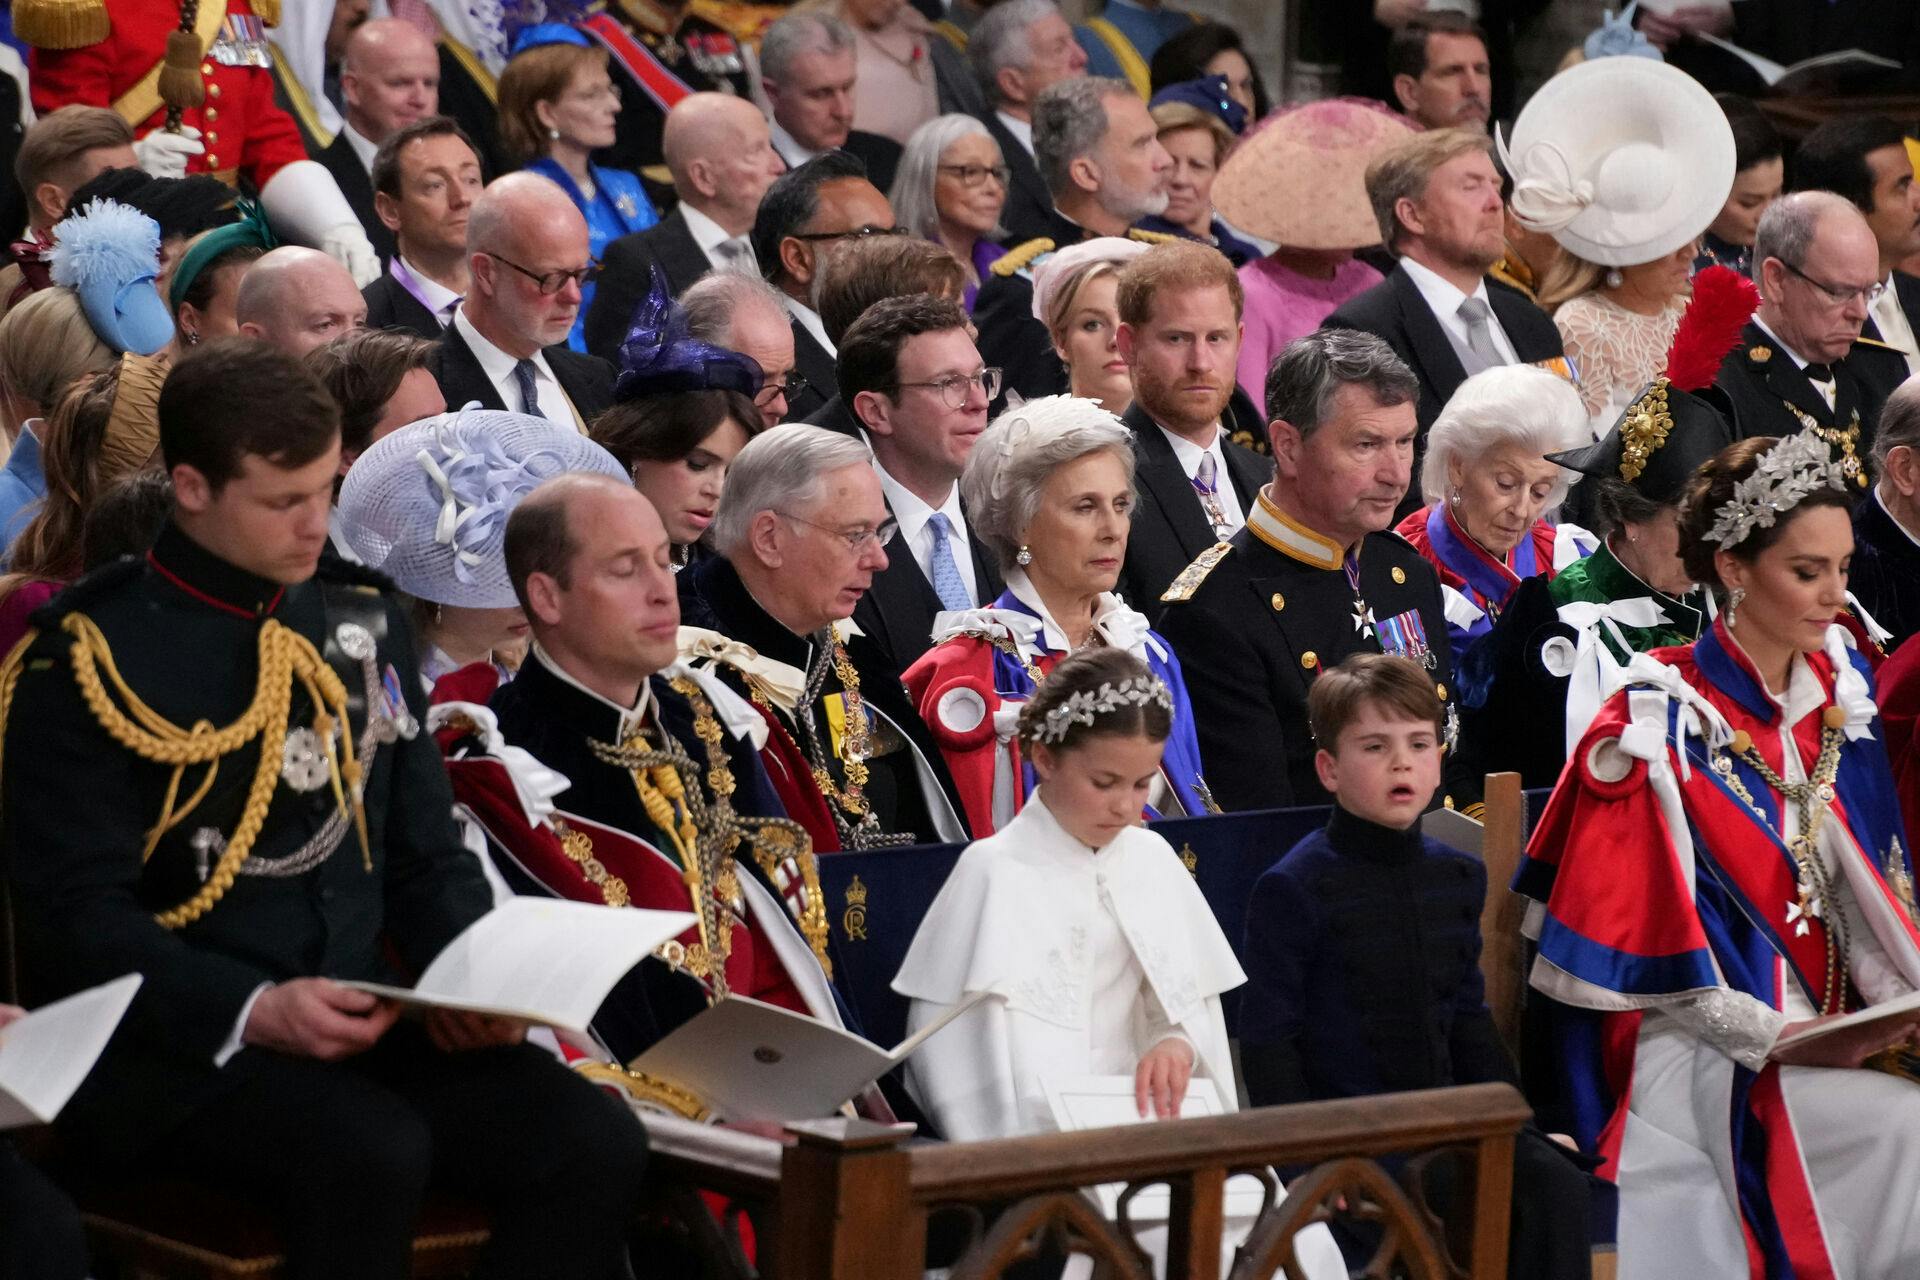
[(1621, 160)]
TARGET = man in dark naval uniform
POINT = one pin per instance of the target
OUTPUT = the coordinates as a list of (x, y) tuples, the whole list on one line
[(801, 531), (1315, 575), (660, 52), (217, 779), (1801, 362)]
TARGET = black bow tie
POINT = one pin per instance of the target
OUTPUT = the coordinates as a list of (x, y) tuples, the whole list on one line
[(1822, 373)]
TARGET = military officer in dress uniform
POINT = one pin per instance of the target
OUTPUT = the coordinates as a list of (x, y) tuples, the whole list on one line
[(113, 53), (1801, 362), (216, 778), (661, 51), (1101, 190), (1315, 575)]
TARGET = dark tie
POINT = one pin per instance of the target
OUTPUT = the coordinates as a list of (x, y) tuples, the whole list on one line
[(529, 398), (1821, 373)]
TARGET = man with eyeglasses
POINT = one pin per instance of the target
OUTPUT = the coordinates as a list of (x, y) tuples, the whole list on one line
[(801, 532), (1864, 158), (1800, 363), (746, 314), (913, 378), (807, 216), (507, 346)]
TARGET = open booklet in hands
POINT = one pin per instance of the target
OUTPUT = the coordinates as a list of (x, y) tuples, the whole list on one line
[(46, 1055)]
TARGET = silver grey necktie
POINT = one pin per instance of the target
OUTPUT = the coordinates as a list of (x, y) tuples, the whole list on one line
[(1479, 318)]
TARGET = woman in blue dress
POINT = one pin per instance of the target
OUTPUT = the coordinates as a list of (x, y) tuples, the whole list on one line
[(557, 107)]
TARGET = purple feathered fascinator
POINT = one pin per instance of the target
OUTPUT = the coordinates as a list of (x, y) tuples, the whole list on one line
[(659, 356)]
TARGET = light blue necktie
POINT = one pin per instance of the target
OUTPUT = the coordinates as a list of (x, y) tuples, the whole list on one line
[(947, 582), (529, 398)]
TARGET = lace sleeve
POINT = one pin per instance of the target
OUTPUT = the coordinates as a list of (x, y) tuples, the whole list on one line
[(1731, 1021), (1592, 355)]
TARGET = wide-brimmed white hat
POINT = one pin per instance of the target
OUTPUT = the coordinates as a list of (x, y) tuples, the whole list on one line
[(1621, 160)]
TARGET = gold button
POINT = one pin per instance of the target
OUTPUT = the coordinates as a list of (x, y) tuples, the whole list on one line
[(213, 91), (1742, 742), (213, 161), (206, 69), (212, 137), (212, 114), (1834, 717), (1441, 690), (1278, 602), (1399, 575), (1309, 659)]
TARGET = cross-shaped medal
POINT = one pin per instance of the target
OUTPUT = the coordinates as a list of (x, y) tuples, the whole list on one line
[(1362, 617)]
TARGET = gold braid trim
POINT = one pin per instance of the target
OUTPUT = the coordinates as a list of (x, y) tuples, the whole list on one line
[(285, 656), (664, 796)]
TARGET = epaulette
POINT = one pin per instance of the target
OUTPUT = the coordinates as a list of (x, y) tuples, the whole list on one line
[(1016, 259), (1875, 342), (1183, 587), (337, 569), (87, 590), (1150, 237), (61, 24)]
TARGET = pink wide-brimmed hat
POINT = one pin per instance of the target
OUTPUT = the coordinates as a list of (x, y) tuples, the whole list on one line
[(1300, 179)]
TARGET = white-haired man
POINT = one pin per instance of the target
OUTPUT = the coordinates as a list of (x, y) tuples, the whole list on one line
[(802, 529), (1018, 48)]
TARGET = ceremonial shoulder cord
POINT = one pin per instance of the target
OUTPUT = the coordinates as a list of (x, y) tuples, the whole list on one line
[(284, 657)]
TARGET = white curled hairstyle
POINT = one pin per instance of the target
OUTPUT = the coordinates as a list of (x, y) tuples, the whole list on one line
[(1013, 457), (1514, 404)]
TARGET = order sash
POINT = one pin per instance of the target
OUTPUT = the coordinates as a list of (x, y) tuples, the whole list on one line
[(639, 62)]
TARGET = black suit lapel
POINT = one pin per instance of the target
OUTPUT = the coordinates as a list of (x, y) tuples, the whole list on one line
[(1439, 368), (679, 254), (1792, 385), (1250, 472), (462, 380), (1161, 475), (1029, 204), (817, 367)]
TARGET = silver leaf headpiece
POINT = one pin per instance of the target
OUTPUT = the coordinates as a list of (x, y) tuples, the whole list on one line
[(1785, 474)]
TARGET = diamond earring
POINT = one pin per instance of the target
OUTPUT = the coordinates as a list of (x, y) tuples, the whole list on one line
[(1024, 558), (1733, 602)]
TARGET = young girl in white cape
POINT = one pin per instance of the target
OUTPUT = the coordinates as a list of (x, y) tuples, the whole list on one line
[(1105, 957)]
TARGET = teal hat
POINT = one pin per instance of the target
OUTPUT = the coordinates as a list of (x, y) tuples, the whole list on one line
[(252, 229)]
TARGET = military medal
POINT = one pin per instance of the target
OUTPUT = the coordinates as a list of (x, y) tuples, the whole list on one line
[(1362, 611), (303, 761)]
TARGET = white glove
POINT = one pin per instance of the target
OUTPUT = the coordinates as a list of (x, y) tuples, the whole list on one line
[(164, 155), (304, 206)]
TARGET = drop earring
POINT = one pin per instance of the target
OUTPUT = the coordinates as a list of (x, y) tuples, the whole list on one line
[(1025, 557), (1733, 603)]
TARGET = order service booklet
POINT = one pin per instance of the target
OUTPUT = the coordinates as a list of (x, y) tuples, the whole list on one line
[(45, 1055)]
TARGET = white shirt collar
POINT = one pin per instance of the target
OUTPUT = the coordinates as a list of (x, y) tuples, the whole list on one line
[(440, 299), (912, 514), (498, 365), (361, 147), (789, 146), (631, 718), (707, 233), (1022, 130), (1119, 625), (1799, 361), (1189, 454), (811, 320), (1442, 295)]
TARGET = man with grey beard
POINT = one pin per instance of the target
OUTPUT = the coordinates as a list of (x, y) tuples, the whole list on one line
[(1099, 153)]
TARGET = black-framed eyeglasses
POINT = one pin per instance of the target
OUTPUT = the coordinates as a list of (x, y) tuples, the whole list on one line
[(856, 539), (955, 387), (552, 282), (791, 387), (858, 233), (1838, 296), (972, 175)]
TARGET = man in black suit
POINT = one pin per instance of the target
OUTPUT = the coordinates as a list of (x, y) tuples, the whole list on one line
[(389, 78), (807, 69), (507, 345), (244, 1063), (426, 177), (1179, 306), (804, 218), (911, 374), (1886, 524), (863, 273), (1864, 158), (1017, 49), (1801, 362), (722, 161), (1100, 152), (1437, 197)]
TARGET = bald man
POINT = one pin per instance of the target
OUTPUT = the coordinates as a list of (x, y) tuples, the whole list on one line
[(296, 299), (506, 348), (722, 159), (389, 77)]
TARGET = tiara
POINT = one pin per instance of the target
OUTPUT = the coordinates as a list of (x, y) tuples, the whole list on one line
[(1787, 473), (1090, 704)]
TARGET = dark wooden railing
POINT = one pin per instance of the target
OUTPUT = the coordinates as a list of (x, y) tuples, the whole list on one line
[(850, 1200)]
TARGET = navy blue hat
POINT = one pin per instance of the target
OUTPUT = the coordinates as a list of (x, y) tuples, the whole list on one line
[(1209, 93), (659, 356)]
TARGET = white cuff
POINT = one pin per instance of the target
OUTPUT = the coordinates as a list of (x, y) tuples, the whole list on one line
[(237, 1039)]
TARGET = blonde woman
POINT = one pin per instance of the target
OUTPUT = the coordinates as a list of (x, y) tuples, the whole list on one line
[(46, 345), (1073, 295)]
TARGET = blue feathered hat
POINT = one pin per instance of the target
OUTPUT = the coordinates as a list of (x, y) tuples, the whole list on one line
[(109, 255), (659, 356)]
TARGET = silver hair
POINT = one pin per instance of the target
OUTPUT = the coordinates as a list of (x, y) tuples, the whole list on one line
[(1013, 458), (914, 204), (1899, 423), (780, 469), (1788, 226), (999, 40), (1306, 375), (1513, 404), (798, 33), (1069, 120), (715, 298)]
